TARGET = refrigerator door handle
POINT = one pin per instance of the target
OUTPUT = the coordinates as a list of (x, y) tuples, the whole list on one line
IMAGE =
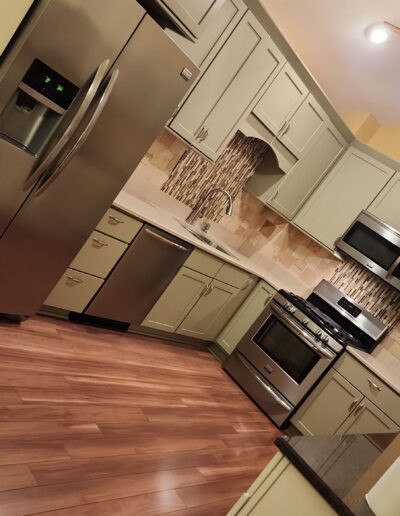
[(100, 105), (77, 110)]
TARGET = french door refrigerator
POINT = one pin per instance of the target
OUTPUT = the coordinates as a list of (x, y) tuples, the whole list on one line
[(90, 89)]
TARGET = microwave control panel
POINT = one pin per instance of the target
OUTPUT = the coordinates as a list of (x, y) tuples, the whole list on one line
[(349, 307)]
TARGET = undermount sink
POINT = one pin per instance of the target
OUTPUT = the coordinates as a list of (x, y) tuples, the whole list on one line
[(204, 238)]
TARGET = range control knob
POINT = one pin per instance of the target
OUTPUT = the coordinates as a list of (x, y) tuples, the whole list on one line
[(305, 322), (325, 339), (318, 333)]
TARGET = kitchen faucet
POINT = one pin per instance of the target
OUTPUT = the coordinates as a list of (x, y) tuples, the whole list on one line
[(200, 204)]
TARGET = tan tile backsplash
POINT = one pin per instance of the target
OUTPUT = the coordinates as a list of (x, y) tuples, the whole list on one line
[(185, 175)]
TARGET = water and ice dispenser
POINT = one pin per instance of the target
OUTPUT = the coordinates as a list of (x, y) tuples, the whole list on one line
[(36, 107)]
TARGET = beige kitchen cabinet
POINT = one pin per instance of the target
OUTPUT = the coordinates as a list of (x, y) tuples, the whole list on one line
[(306, 123), (11, 15), (177, 300), (211, 113), (281, 99), (350, 187), (217, 24), (255, 303), (281, 490), (119, 225), (367, 419), (301, 180), (387, 205), (233, 276), (209, 309), (73, 291), (328, 406), (98, 255), (203, 262)]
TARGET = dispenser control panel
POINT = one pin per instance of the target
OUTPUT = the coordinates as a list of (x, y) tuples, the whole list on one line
[(51, 84)]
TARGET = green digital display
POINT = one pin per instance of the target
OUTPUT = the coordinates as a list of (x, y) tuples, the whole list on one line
[(47, 79), (60, 87)]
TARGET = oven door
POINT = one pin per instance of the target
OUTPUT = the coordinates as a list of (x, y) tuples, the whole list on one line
[(285, 353)]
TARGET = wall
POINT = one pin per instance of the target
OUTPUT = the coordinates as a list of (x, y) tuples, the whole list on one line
[(179, 171)]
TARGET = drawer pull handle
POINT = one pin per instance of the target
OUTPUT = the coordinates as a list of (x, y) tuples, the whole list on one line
[(115, 219), (99, 242), (373, 385), (353, 404), (359, 409), (75, 280)]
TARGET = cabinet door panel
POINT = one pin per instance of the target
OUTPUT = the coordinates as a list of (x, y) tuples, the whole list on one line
[(347, 190), (207, 310), (305, 125), (281, 99), (327, 407), (387, 205), (177, 300), (245, 317), (187, 15), (218, 23), (305, 175), (235, 76), (367, 419)]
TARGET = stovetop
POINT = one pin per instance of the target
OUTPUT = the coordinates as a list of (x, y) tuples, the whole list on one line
[(325, 322)]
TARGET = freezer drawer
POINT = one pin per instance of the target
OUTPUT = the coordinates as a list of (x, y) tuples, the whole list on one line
[(141, 276)]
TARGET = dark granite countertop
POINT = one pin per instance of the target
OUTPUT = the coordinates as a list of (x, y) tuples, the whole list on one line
[(342, 468)]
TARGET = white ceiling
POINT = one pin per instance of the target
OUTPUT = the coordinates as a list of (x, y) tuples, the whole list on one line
[(329, 36)]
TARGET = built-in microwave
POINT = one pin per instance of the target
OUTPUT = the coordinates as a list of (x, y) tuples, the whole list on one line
[(375, 245)]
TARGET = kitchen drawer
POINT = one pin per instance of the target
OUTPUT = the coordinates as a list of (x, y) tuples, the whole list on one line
[(73, 291), (370, 385), (119, 225), (99, 255), (233, 276), (204, 263)]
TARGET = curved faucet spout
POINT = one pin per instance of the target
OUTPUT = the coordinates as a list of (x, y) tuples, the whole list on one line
[(201, 203)]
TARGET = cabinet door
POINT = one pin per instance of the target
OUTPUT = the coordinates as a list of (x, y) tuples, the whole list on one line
[(387, 205), (210, 115), (308, 172), (347, 190), (11, 15), (281, 99), (200, 320), (217, 24), (177, 300), (230, 336), (189, 14), (327, 407), (306, 124), (367, 419)]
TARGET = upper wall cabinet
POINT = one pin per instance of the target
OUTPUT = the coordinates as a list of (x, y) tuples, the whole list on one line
[(348, 189), (308, 172), (281, 100), (212, 112), (217, 24), (387, 205)]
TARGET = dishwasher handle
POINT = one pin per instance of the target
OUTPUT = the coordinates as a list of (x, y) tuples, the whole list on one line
[(167, 241)]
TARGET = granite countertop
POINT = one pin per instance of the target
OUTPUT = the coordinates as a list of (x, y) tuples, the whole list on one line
[(168, 214), (381, 362), (342, 468)]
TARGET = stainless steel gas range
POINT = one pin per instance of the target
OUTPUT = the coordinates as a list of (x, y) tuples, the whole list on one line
[(293, 343)]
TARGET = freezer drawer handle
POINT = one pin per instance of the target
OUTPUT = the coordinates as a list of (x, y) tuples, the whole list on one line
[(75, 280), (99, 242), (115, 219), (271, 391), (166, 241)]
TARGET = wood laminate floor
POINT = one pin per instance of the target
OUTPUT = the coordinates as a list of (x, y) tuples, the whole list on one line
[(99, 423)]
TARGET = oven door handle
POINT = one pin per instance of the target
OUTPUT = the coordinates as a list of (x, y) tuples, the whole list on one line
[(260, 380), (290, 323)]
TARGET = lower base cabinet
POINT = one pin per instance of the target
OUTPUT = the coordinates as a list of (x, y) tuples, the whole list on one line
[(256, 302), (281, 490)]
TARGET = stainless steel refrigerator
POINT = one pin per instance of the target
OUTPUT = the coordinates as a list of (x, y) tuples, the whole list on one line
[(88, 92)]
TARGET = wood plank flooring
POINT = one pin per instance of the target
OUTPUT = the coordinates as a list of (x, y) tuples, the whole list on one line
[(99, 423)]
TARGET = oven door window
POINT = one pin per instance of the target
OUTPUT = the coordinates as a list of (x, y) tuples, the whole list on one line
[(285, 348)]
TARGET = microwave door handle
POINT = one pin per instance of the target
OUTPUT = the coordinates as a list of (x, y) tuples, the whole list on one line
[(305, 336), (393, 267), (79, 107), (101, 103)]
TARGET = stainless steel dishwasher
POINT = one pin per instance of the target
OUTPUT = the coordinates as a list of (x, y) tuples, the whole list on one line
[(141, 276)]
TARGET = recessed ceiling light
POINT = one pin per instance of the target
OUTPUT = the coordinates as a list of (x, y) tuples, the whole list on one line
[(379, 32)]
